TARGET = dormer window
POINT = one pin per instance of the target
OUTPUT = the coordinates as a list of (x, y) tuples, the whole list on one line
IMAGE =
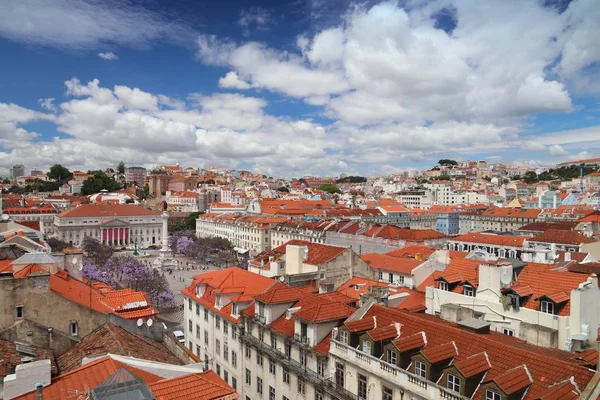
[(453, 383), (469, 290), (234, 310), (547, 307), (420, 369), (491, 395), (366, 346), (444, 286), (344, 337)]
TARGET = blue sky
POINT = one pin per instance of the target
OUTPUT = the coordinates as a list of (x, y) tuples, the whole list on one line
[(298, 87)]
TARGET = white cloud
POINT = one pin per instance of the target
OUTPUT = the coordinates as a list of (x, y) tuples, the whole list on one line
[(557, 150), (110, 56), (47, 104), (254, 17), (232, 81), (82, 24)]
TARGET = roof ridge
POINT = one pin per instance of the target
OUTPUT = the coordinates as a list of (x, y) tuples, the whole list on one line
[(113, 334)]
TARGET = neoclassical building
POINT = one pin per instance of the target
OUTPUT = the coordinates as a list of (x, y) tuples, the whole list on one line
[(114, 225)]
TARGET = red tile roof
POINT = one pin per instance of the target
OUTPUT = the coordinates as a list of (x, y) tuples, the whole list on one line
[(512, 212), (443, 352), (506, 354), (10, 357), (201, 386), (389, 263), (109, 338), (126, 303), (325, 312), (357, 286), (473, 365), (416, 252), (461, 271), (107, 210), (411, 342), (562, 237), (491, 239), (414, 302), (86, 378), (385, 332), (317, 253), (514, 380), (543, 226), (395, 232)]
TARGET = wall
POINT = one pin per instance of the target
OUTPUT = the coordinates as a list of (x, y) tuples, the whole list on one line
[(43, 306), (592, 248), (360, 244), (40, 336)]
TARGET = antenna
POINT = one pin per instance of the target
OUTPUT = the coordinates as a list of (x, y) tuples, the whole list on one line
[(140, 322), (149, 322)]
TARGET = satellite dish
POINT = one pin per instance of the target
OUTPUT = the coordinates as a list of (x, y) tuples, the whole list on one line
[(140, 322), (4, 217), (74, 260), (80, 267), (506, 277), (149, 323), (281, 279)]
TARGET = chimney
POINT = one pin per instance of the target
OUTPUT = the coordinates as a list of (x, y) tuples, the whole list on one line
[(39, 395), (567, 256)]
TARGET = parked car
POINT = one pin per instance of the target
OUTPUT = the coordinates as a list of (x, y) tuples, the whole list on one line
[(180, 336)]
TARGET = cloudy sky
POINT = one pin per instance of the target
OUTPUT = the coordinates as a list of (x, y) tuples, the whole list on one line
[(297, 87)]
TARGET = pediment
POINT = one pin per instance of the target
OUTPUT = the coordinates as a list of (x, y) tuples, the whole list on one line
[(115, 223)]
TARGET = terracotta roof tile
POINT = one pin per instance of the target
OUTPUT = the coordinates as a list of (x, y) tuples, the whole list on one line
[(357, 286), (436, 354), (514, 380), (388, 332), (565, 390), (325, 312), (201, 386), (490, 239), (10, 357), (416, 252), (473, 365), (561, 237), (412, 342), (389, 263), (106, 210), (361, 325)]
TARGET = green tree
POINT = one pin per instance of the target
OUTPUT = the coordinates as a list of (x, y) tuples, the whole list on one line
[(447, 162), (190, 220), (121, 167), (97, 182), (58, 173), (283, 189), (330, 188), (352, 179), (530, 177), (6, 181)]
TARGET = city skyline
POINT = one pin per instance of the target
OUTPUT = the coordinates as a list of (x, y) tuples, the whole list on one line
[(296, 89)]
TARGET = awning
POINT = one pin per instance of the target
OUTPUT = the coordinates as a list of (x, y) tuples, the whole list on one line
[(240, 250)]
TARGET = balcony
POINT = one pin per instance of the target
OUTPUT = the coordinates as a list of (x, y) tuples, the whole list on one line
[(303, 340), (418, 386)]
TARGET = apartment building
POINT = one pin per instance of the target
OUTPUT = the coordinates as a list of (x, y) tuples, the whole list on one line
[(43, 214), (213, 308), (544, 247), (534, 302), (187, 201), (497, 219), (491, 244), (385, 353)]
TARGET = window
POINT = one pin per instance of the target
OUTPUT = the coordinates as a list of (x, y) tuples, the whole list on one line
[(248, 352), (392, 357), (387, 393), (421, 369), (444, 286), (234, 309), (321, 366), (190, 326), (344, 337), (318, 394), (197, 331), (206, 337), (286, 375), (380, 275), (547, 307), (453, 383), (226, 376), (217, 322), (400, 279), (233, 331), (509, 332), (198, 350), (206, 314), (233, 358), (190, 346), (197, 309), (301, 386), (226, 352), (271, 366), (218, 370), (261, 335), (234, 383), (273, 340), (491, 395), (248, 377), (366, 346), (225, 328), (218, 346), (259, 359), (258, 385), (190, 304), (469, 291), (390, 277), (339, 374), (73, 328), (303, 357), (288, 350), (271, 393), (362, 387)]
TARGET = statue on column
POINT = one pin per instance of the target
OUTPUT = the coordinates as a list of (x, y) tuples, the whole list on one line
[(165, 206)]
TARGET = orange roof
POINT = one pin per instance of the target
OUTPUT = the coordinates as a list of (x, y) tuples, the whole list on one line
[(317, 253), (85, 378), (106, 210), (422, 252), (443, 340), (395, 232), (561, 237), (461, 271), (514, 380), (245, 282), (512, 212), (414, 302), (201, 386), (325, 312), (126, 303), (357, 286), (389, 263), (473, 365), (491, 239)]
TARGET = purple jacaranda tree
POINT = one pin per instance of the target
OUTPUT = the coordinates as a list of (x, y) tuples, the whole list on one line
[(166, 298), (91, 271), (183, 244)]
